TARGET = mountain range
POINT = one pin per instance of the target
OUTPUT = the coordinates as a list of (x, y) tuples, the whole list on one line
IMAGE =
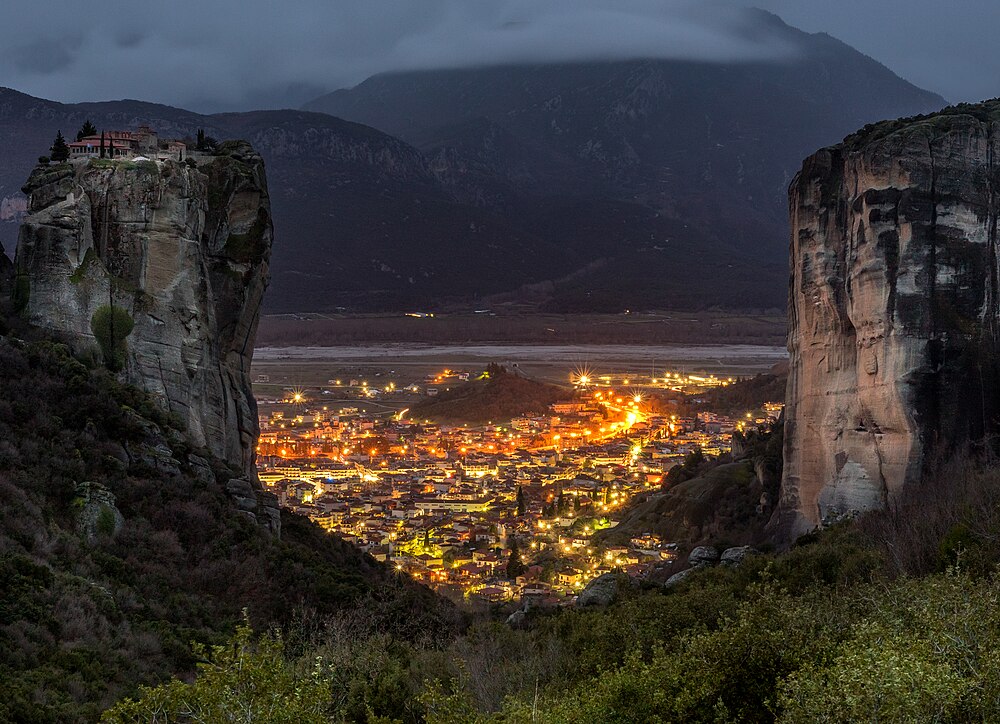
[(591, 186)]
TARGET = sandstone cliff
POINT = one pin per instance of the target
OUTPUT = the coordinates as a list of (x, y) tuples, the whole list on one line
[(893, 309), (176, 253)]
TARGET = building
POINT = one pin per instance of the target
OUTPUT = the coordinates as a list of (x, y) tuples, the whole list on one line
[(143, 141), (429, 505), (98, 147)]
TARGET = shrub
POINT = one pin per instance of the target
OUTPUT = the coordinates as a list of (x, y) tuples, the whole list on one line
[(111, 326), (21, 292), (251, 678), (59, 150)]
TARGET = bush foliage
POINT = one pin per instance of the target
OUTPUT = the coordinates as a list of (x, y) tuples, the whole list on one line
[(892, 617), (81, 624), (819, 634), (111, 327)]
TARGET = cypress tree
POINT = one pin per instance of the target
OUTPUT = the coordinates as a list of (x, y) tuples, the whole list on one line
[(514, 566), (59, 150)]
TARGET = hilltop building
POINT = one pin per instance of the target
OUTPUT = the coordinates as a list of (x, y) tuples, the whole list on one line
[(143, 141)]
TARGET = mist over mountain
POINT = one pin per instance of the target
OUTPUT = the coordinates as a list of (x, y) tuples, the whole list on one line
[(707, 149), (594, 186)]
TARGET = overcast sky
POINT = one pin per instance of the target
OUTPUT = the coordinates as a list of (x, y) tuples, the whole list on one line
[(239, 54)]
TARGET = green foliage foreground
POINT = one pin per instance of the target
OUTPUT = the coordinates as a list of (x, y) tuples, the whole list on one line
[(240, 681), (771, 642), (85, 620)]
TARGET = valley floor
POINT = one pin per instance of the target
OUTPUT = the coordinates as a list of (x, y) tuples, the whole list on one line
[(646, 328)]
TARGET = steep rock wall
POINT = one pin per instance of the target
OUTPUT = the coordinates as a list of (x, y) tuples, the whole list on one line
[(893, 306), (6, 273), (184, 250)]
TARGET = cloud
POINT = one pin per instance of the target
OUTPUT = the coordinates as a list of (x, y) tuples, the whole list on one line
[(233, 54), (44, 56), (241, 53)]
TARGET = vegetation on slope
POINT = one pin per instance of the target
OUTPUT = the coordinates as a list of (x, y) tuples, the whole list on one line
[(748, 393), (87, 615), (985, 112), (891, 617), (497, 395), (725, 501)]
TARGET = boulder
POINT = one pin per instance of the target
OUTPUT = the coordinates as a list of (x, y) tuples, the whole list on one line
[(601, 591), (243, 494), (261, 506), (518, 619), (734, 556), (679, 577), (201, 469), (703, 556), (270, 518), (97, 513)]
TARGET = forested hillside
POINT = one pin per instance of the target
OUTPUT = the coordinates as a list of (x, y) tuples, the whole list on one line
[(119, 546), (888, 618)]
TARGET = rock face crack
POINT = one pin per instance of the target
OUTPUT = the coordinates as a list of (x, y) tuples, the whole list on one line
[(893, 309), (185, 251)]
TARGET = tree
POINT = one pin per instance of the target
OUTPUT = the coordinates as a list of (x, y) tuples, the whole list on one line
[(241, 681), (203, 142), (60, 151), (520, 501), (88, 129), (691, 467), (514, 565)]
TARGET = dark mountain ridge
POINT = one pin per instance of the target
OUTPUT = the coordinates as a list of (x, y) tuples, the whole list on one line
[(578, 187), (362, 219), (708, 148)]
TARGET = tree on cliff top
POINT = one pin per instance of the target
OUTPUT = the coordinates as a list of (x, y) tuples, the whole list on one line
[(205, 143), (88, 129), (60, 151)]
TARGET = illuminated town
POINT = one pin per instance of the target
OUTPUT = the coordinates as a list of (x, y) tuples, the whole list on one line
[(503, 511)]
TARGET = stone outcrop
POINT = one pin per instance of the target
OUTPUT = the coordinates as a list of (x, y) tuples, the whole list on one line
[(97, 513), (6, 274), (734, 556), (703, 556), (894, 306), (177, 253), (601, 592)]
